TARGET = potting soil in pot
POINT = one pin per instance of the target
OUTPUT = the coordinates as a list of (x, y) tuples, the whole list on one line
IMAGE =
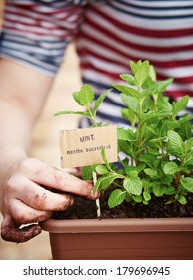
[(157, 208)]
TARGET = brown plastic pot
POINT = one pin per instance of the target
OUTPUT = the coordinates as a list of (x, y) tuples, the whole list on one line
[(134, 238)]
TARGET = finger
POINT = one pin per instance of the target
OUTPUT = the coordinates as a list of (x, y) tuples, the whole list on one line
[(11, 233), (52, 177), (38, 197), (24, 214)]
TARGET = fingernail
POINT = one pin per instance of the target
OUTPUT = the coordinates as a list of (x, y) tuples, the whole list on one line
[(71, 201), (93, 195)]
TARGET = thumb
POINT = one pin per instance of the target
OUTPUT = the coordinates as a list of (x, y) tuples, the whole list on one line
[(11, 232)]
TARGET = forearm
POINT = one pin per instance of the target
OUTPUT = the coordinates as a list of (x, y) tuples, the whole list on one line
[(15, 137), (15, 130), (22, 95)]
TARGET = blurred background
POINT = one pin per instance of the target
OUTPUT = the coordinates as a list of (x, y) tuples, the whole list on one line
[(45, 146)]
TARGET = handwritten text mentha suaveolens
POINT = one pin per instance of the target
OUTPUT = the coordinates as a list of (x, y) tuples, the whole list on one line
[(88, 149)]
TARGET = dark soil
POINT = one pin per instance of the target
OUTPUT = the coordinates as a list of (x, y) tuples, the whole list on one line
[(157, 208)]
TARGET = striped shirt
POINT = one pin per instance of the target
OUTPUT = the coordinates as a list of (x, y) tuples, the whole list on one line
[(108, 34)]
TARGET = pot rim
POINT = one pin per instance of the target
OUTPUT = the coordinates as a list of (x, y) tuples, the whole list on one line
[(117, 225)]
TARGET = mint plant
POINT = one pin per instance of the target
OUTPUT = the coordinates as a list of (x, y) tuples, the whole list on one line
[(157, 146)]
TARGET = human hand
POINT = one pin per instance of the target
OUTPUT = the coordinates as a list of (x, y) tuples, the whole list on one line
[(29, 196)]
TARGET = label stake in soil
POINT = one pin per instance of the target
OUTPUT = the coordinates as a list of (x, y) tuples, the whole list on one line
[(82, 147), (97, 200)]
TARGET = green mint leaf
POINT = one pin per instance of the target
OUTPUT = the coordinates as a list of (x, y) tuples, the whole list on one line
[(149, 159), (172, 124), (146, 196), (128, 79), (129, 115), (152, 73), (85, 114), (170, 190), (76, 96), (185, 119), (133, 66), (99, 101), (87, 173), (188, 135), (152, 115), (187, 183), (159, 87), (130, 101), (140, 167), (137, 198), (133, 174), (116, 198), (133, 186), (181, 199), (125, 134), (86, 95), (128, 91), (101, 169), (158, 189), (170, 168), (151, 173), (180, 104), (175, 143), (133, 93), (142, 73), (165, 107), (105, 181), (188, 160)]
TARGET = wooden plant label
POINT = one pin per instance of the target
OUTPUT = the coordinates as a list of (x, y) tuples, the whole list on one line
[(82, 147)]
